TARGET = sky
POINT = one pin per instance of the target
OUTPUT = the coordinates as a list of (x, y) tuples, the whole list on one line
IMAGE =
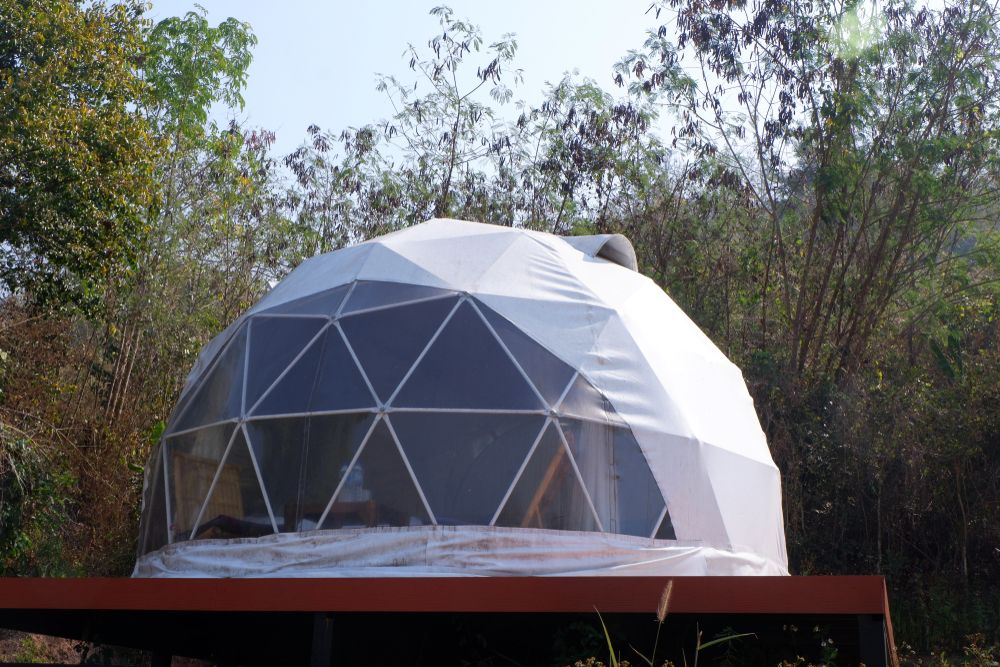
[(316, 62)]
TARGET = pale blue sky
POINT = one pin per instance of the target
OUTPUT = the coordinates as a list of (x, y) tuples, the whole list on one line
[(316, 61)]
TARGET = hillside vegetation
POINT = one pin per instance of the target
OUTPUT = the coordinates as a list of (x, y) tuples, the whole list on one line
[(815, 186)]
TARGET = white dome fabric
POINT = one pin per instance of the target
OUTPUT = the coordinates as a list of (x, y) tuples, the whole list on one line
[(460, 398)]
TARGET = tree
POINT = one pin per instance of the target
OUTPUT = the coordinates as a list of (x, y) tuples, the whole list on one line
[(191, 65), (212, 242), (85, 390), (866, 150), (448, 129), (586, 159), (433, 157), (846, 253), (76, 153)]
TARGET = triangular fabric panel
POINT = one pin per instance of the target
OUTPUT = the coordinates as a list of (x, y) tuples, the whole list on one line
[(324, 378), (584, 401), (154, 503), (236, 506), (617, 476), (302, 460), (388, 341), (373, 294), (274, 342), (192, 461), (465, 462), (548, 373), (548, 494), (322, 303), (447, 257), (220, 394), (379, 490), (479, 374)]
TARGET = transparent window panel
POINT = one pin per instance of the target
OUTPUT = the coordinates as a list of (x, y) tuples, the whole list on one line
[(274, 342), (279, 445), (193, 459), (321, 303), (220, 394), (465, 462), (584, 401), (235, 507), (467, 368), (617, 476), (548, 494), (666, 530), (324, 378), (373, 294), (302, 460), (388, 341), (548, 373), (179, 409), (154, 506), (379, 490)]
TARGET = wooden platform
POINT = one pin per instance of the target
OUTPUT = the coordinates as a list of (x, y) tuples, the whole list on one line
[(326, 621)]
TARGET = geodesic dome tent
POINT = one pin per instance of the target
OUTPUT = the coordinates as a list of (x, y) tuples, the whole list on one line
[(459, 398)]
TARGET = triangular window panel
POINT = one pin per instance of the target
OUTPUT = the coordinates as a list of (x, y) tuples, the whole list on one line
[(548, 373), (220, 394), (465, 462), (666, 529), (321, 303), (179, 408), (154, 506), (467, 368), (374, 294), (274, 342), (379, 490), (302, 460), (617, 476), (236, 506), (548, 494), (278, 445), (324, 378), (388, 341), (192, 460), (584, 401)]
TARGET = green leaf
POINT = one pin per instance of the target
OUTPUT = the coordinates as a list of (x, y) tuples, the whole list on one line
[(607, 638)]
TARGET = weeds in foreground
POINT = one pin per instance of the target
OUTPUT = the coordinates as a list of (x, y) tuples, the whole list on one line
[(30, 650), (662, 609), (977, 652)]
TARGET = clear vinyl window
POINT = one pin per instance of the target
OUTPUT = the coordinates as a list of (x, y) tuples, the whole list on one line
[(382, 404)]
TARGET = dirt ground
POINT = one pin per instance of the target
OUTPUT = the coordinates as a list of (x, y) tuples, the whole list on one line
[(23, 647)]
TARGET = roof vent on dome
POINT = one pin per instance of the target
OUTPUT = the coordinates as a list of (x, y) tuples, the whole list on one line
[(612, 247)]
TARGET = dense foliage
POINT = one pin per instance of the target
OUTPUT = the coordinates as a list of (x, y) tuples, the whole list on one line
[(76, 155), (815, 182)]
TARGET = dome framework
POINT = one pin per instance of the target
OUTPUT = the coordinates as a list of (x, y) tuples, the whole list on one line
[(419, 387), (302, 421)]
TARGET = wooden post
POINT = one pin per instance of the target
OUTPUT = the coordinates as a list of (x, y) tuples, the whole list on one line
[(321, 653)]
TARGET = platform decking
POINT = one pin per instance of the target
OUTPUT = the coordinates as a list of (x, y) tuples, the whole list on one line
[(222, 618)]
